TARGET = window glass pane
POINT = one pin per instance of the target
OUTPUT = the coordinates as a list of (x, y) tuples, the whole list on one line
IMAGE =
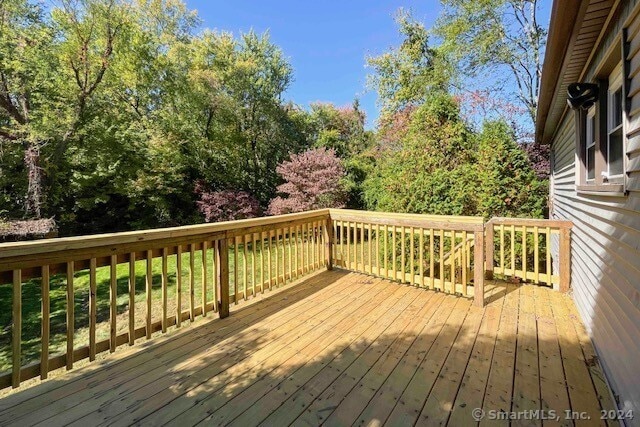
[(591, 160), (616, 165), (616, 109)]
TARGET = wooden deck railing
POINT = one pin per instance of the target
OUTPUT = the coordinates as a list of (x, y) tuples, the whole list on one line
[(73, 298), (429, 251), (223, 261), (522, 248)]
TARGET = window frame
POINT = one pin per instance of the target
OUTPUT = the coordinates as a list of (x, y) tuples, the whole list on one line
[(609, 81)]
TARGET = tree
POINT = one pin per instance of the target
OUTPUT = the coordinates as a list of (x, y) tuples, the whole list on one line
[(431, 169), (312, 181), (508, 184), (494, 36), (226, 205), (407, 75)]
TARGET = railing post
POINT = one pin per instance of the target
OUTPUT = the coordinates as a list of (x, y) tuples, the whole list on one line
[(328, 243), (489, 243), (222, 254), (565, 259), (478, 268)]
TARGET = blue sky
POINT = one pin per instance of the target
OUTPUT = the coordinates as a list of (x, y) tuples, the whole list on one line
[(326, 41)]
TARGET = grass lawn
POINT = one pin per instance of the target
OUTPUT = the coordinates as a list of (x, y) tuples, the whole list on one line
[(31, 299)]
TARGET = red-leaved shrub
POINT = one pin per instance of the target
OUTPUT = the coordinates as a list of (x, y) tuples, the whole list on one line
[(226, 205)]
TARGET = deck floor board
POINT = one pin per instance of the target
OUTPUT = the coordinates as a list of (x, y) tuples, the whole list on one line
[(340, 348)]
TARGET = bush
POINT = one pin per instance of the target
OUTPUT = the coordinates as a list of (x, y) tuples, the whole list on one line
[(226, 205), (312, 181)]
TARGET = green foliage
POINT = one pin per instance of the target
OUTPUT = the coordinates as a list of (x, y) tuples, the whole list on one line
[(509, 185), (407, 75)]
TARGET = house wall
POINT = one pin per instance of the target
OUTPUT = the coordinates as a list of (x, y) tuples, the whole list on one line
[(605, 266)]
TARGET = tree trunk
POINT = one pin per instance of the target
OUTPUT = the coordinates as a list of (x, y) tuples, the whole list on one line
[(33, 202)]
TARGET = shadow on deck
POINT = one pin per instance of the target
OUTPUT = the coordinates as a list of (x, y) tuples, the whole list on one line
[(341, 348)]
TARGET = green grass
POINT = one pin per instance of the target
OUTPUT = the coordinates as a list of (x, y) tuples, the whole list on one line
[(31, 299)]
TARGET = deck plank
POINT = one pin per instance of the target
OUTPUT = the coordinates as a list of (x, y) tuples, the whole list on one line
[(412, 400), (500, 384), (161, 397), (341, 348), (476, 375)]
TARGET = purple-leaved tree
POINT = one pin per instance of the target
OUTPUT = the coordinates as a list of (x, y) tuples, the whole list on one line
[(312, 181), (226, 205)]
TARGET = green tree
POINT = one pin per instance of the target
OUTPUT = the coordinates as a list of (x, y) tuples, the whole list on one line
[(508, 184), (408, 74)]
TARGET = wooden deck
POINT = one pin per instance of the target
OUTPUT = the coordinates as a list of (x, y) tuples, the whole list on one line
[(342, 349)]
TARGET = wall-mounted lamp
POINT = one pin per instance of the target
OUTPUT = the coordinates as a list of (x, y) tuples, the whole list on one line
[(582, 95)]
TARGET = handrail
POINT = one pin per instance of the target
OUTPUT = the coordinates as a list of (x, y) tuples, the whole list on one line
[(228, 261), (411, 249), (519, 244)]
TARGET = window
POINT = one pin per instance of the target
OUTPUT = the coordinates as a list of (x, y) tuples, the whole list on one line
[(590, 146), (615, 160), (601, 138)]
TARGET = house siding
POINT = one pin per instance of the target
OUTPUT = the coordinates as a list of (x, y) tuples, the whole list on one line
[(605, 265)]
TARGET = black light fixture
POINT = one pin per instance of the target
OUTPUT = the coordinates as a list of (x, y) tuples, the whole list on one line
[(582, 95)]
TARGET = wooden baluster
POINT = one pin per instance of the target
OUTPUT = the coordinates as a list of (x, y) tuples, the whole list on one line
[(262, 258), (314, 234), (296, 250), (502, 249), (394, 258), (245, 265), (524, 252), (548, 255), (92, 309), (464, 261), (565, 259), (254, 274), (269, 246), (149, 290), (113, 308), (421, 257), (386, 251), (432, 273), (378, 249), (335, 239), (320, 239), (478, 273), (452, 259), (403, 275), (362, 247), (369, 245), (16, 329), (132, 297), (46, 322), (215, 275), (536, 255), (278, 259), (179, 286), (203, 279), (70, 315), (441, 258), (289, 254), (223, 280), (165, 284), (329, 232), (192, 283), (411, 257), (513, 251), (236, 267), (490, 232), (349, 246)]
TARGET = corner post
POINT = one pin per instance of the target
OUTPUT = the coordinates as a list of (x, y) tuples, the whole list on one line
[(489, 244), (478, 268), (223, 279), (328, 242), (565, 259)]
